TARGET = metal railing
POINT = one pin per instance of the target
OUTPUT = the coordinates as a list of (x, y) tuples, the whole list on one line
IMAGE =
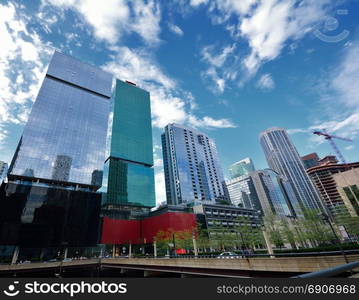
[(331, 271)]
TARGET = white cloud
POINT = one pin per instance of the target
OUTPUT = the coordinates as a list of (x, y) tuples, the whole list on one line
[(266, 82), (169, 104), (175, 29), (208, 122), (116, 18), (22, 66), (217, 60), (219, 68), (160, 186), (198, 2), (267, 26), (340, 97), (297, 130), (344, 80), (129, 64)]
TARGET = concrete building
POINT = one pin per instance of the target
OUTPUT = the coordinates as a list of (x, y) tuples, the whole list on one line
[(215, 217), (348, 187), (323, 177)]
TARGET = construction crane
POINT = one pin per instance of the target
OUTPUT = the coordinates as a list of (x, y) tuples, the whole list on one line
[(330, 138)]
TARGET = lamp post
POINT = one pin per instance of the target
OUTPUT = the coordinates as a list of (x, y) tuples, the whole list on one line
[(325, 218), (194, 244)]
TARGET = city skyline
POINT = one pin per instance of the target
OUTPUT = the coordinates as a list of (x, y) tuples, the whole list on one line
[(223, 83)]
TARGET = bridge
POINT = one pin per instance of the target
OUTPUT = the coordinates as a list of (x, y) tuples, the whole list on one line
[(179, 267)]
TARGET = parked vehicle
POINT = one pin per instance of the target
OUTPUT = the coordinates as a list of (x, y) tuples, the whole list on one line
[(228, 255)]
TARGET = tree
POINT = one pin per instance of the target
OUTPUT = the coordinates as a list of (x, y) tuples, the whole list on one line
[(273, 226), (203, 241), (288, 233), (162, 239), (350, 223), (314, 228), (249, 237)]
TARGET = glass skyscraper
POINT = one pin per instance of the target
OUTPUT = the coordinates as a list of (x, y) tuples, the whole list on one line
[(50, 198), (282, 157), (242, 192), (240, 168), (191, 167), (272, 193), (65, 136), (129, 174)]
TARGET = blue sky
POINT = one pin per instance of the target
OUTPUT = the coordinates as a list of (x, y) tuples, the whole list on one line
[(230, 68)]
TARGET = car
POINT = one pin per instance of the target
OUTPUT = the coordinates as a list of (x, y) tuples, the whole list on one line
[(25, 262), (51, 260), (228, 255)]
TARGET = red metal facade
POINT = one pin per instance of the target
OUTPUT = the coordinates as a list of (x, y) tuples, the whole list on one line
[(139, 231)]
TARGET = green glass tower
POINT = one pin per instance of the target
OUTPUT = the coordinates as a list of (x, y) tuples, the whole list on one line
[(129, 174)]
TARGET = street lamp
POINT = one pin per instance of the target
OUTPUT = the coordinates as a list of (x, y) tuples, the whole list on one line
[(325, 218)]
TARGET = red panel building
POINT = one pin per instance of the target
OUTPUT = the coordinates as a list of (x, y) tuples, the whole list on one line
[(115, 231)]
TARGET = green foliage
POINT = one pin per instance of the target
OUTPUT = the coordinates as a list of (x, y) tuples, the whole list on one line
[(272, 226), (350, 223)]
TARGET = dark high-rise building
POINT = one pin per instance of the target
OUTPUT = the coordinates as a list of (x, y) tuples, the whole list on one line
[(191, 167), (129, 174), (273, 193), (283, 157), (50, 198), (310, 160)]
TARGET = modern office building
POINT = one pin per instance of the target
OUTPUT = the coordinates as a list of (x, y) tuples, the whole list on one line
[(215, 217), (240, 168), (50, 198), (191, 166), (283, 157), (323, 178), (63, 140), (242, 192), (310, 160), (3, 171), (272, 193), (348, 187), (129, 175)]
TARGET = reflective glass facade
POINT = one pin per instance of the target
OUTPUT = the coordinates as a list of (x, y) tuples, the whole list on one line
[(240, 168), (36, 215), (282, 157), (131, 126), (130, 183), (3, 171), (269, 187), (129, 176), (65, 136), (243, 192), (191, 166)]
